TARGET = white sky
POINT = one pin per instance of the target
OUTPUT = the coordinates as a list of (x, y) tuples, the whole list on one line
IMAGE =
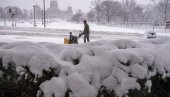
[(84, 5)]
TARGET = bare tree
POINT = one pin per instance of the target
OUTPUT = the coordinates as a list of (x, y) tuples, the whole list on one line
[(161, 11), (2, 15), (78, 17), (127, 9), (1, 12), (96, 4), (110, 9), (164, 3), (137, 13), (31, 14), (150, 13), (91, 16), (25, 14), (147, 12)]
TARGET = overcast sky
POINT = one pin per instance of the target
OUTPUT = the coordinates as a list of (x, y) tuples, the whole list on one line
[(84, 5)]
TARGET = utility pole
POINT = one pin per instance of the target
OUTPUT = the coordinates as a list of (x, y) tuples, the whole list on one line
[(44, 14), (34, 15)]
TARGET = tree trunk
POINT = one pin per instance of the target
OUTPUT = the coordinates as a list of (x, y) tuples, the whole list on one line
[(4, 21), (108, 19), (98, 18)]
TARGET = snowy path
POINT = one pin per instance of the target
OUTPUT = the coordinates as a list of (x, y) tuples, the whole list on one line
[(9, 34)]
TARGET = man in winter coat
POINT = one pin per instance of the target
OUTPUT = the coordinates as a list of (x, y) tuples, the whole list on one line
[(86, 32)]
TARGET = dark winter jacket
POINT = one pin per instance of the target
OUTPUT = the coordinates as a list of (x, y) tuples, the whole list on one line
[(86, 29)]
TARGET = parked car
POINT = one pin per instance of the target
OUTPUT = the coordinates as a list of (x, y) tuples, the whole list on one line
[(150, 34)]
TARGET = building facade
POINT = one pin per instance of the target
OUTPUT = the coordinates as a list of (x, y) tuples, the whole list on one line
[(55, 12)]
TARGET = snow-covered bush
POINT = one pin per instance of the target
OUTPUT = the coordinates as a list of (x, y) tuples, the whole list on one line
[(109, 68)]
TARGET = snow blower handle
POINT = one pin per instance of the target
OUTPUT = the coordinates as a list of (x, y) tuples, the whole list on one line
[(80, 34)]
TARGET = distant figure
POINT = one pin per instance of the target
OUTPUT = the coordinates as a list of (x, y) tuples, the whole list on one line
[(86, 32)]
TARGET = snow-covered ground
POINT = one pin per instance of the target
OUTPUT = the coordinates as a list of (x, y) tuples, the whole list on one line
[(75, 26), (56, 32), (57, 36), (94, 27)]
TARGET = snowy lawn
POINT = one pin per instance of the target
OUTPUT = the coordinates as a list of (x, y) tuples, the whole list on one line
[(76, 26), (9, 34), (93, 27), (83, 69)]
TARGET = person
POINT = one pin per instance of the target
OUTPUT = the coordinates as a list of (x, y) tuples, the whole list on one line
[(73, 39), (86, 32), (70, 39)]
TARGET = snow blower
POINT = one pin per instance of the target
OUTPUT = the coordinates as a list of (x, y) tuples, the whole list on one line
[(72, 39)]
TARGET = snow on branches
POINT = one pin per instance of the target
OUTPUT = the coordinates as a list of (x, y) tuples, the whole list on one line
[(116, 65)]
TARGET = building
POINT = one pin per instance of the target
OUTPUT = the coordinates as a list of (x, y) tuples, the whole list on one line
[(55, 12)]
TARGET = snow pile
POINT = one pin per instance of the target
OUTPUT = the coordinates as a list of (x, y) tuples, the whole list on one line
[(83, 69), (23, 54), (55, 86)]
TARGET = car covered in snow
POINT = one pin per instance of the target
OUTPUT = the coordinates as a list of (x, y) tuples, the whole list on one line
[(150, 34)]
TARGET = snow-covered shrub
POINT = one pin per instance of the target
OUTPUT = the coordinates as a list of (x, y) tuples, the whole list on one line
[(13, 85), (109, 68)]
